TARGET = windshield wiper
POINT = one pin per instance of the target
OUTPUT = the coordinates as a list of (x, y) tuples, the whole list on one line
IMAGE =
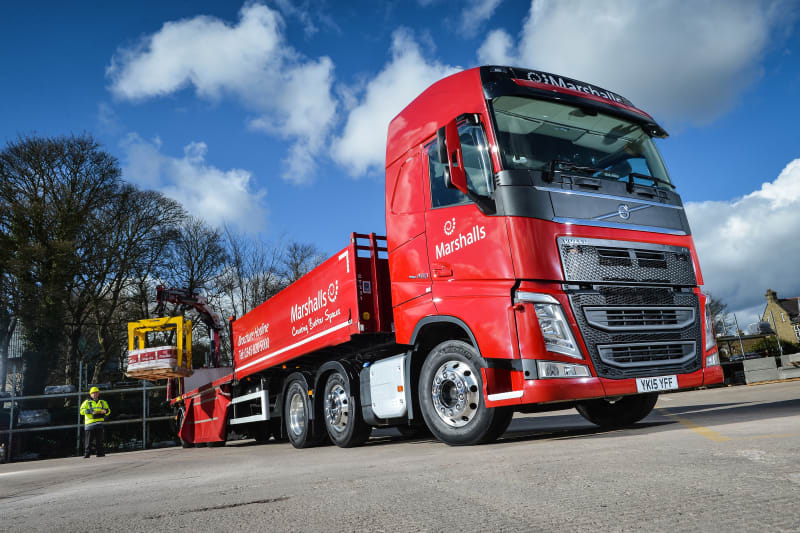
[(654, 179), (567, 165), (600, 173)]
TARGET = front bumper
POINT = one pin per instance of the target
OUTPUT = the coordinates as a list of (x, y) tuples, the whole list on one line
[(541, 391)]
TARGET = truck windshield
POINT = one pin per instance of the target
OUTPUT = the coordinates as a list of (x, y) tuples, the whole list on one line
[(542, 135)]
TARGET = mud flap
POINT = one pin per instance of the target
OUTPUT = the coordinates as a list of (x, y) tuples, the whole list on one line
[(206, 417)]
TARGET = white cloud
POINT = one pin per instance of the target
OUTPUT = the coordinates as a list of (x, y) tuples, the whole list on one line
[(476, 13), (216, 195), (300, 11), (680, 61), (107, 121), (496, 49), (749, 244), (361, 147), (745, 317), (250, 61)]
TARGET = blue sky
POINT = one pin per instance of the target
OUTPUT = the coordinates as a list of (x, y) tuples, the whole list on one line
[(272, 116)]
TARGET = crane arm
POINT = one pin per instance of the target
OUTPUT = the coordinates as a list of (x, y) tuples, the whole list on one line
[(210, 318)]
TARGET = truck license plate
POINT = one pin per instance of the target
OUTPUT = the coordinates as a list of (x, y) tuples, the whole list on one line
[(656, 384)]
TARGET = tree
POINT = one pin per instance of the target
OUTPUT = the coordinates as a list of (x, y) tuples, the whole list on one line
[(196, 260), (719, 314), (299, 259), (769, 346), (253, 274), (8, 313), (197, 256), (81, 252), (124, 244), (49, 187)]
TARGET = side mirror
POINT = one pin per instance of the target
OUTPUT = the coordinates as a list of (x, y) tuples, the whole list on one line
[(450, 153)]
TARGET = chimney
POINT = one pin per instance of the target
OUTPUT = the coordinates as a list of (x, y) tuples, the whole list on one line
[(772, 296)]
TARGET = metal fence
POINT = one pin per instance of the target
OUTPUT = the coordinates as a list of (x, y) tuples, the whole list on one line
[(144, 419)]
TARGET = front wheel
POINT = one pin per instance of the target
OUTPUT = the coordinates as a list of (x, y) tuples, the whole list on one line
[(343, 420), (451, 399), (620, 413)]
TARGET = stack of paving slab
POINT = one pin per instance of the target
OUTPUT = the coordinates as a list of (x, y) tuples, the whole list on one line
[(157, 357), (767, 369), (155, 363), (790, 366), (762, 369)]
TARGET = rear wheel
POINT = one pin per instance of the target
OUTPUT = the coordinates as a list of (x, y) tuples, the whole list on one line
[(296, 416), (342, 411), (620, 413), (451, 400)]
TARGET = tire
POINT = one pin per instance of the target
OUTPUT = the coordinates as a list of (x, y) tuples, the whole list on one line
[(624, 412), (342, 413), (296, 416), (216, 444), (451, 397)]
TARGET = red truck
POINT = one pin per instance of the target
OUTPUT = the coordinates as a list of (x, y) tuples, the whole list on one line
[(536, 257)]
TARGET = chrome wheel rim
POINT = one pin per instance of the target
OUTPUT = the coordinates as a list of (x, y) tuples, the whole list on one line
[(337, 408), (455, 393), (297, 415)]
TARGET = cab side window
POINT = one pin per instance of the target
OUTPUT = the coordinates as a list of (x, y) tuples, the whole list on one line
[(477, 164)]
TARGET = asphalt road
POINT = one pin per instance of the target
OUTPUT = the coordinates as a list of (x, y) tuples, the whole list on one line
[(723, 460)]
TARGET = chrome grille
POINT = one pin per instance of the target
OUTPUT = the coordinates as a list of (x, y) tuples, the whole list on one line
[(639, 318), (646, 354), (620, 320)]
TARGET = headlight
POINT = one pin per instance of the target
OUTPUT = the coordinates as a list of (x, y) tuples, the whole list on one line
[(710, 340), (713, 359), (553, 369), (555, 329)]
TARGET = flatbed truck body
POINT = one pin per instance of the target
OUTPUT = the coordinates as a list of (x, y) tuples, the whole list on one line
[(537, 256)]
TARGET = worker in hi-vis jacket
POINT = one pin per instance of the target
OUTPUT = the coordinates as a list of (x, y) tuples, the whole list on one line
[(94, 411)]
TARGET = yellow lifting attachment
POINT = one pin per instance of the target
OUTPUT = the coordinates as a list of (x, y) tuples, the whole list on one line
[(159, 362)]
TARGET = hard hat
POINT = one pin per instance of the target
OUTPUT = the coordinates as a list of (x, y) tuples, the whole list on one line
[(93, 390)]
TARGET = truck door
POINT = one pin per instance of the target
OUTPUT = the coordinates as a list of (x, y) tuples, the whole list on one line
[(405, 224), (468, 250)]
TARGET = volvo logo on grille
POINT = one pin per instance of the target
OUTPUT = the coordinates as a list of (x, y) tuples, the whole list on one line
[(575, 242), (624, 211)]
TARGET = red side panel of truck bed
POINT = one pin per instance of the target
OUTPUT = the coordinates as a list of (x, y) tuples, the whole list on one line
[(205, 418), (346, 295)]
